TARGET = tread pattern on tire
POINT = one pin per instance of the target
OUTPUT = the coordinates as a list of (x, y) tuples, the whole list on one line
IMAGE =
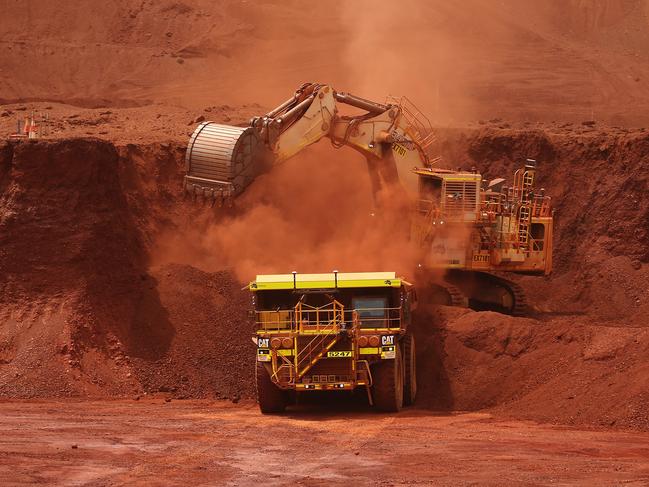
[(388, 384), (410, 370), (271, 399)]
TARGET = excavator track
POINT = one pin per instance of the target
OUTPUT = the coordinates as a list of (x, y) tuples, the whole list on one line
[(520, 305), (440, 291), (456, 298), (487, 291)]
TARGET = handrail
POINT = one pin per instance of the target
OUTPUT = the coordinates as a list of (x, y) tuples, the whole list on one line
[(420, 128), (311, 320)]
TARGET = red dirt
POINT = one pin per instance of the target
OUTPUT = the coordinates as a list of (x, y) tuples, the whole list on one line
[(154, 442), (112, 285)]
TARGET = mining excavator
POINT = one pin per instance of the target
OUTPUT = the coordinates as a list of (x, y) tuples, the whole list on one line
[(469, 230)]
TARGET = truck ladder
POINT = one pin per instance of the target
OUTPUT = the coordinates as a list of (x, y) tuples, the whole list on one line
[(313, 352), (326, 334)]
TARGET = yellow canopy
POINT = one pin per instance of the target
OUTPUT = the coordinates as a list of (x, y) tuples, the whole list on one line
[(328, 280)]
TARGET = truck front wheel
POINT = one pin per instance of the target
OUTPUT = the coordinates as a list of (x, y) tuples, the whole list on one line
[(270, 397), (387, 376)]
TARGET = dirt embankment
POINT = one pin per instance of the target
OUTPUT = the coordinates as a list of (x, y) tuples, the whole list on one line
[(86, 310), (83, 313), (563, 370)]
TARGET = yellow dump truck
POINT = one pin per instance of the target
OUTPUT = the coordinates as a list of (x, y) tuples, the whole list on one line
[(331, 332)]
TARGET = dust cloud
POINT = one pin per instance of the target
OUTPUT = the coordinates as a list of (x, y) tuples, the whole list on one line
[(411, 48), (314, 213)]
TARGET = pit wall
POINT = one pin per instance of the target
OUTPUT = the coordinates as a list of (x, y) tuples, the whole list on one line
[(87, 312), (83, 312)]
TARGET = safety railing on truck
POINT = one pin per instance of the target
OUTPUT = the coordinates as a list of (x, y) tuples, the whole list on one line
[(375, 317), (328, 319)]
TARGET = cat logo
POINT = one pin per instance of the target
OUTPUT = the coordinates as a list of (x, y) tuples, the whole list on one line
[(387, 340), (262, 342)]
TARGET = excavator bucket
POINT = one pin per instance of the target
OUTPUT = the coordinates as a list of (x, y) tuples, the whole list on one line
[(221, 161)]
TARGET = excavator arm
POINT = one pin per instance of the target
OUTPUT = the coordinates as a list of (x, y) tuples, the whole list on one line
[(394, 138)]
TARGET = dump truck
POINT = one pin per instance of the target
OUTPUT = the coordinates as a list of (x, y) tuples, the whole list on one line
[(334, 332), (470, 232)]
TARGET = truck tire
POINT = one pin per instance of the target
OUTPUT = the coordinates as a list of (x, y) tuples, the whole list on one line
[(410, 370), (270, 397), (387, 376)]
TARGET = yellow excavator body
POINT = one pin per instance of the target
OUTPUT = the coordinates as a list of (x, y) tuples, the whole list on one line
[(461, 223)]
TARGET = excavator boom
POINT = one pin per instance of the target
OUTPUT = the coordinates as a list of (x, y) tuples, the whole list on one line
[(394, 138)]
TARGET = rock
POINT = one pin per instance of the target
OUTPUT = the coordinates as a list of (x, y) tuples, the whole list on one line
[(180, 60), (74, 447), (199, 119), (588, 123)]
